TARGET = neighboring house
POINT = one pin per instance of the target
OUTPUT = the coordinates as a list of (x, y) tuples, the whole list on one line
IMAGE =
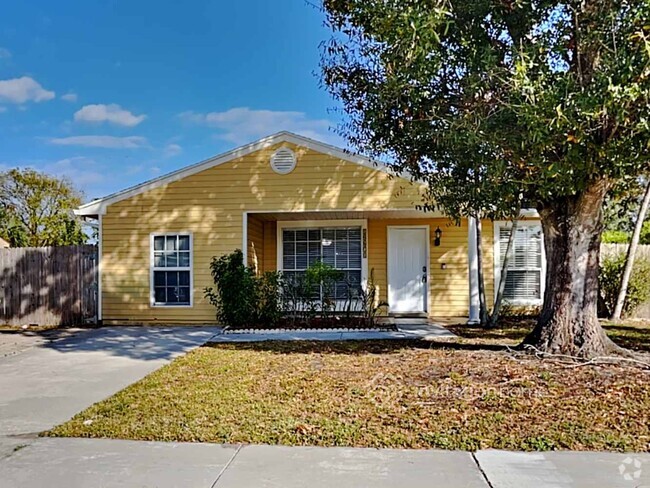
[(4, 244), (288, 201)]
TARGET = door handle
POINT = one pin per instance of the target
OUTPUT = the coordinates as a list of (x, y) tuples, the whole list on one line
[(424, 278)]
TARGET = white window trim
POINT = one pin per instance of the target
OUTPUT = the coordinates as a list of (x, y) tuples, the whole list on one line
[(498, 225), (152, 296), (298, 224)]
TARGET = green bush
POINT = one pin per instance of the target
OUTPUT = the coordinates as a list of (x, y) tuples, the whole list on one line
[(615, 237), (240, 296), (302, 293), (645, 233), (611, 273)]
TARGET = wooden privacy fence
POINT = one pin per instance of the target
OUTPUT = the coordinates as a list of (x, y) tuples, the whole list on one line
[(607, 250), (48, 285)]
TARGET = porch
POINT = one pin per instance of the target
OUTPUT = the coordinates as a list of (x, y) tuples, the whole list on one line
[(419, 262)]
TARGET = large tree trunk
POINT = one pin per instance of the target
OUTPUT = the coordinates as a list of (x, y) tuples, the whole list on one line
[(568, 323)]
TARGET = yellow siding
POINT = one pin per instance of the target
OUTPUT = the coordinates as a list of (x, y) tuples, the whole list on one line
[(255, 231), (270, 248), (210, 204)]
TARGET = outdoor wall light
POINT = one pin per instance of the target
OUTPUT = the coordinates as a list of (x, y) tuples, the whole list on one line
[(438, 235)]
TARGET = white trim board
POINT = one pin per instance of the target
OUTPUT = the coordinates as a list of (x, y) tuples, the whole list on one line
[(98, 207)]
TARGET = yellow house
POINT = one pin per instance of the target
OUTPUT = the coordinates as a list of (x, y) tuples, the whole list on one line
[(288, 201)]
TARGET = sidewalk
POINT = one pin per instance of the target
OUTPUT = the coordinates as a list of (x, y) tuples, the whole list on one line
[(112, 463)]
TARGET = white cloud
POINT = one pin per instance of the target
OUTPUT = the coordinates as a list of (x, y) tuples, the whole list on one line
[(25, 89), (4, 53), (82, 171), (241, 125), (112, 113), (3, 109), (172, 150), (69, 97), (110, 142)]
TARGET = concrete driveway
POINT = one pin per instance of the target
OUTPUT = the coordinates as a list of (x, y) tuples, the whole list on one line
[(46, 385)]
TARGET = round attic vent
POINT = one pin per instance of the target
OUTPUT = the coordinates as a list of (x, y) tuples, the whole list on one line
[(283, 161)]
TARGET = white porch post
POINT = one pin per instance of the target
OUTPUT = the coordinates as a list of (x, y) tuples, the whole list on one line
[(472, 259)]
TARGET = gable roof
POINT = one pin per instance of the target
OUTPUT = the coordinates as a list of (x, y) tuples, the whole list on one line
[(98, 206)]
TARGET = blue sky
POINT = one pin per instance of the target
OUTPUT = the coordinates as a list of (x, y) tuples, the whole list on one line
[(113, 93)]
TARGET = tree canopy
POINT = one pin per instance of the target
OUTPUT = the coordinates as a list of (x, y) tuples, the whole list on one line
[(37, 210), (544, 95), (500, 102)]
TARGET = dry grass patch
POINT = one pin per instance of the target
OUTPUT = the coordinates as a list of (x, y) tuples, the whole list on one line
[(403, 394)]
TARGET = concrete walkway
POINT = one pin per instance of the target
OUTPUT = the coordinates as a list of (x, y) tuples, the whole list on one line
[(112, 463)]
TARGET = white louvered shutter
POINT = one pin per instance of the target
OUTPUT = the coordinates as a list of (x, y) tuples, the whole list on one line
[(523, 281)]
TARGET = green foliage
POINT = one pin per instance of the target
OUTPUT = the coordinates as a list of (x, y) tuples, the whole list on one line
[(615, 237), (371, 306), (244, 299), (268, 294), (302, 294), (645, 233), (611, 273), (302, 298), (622, 204), (240, 296), (489, 104), (37, 210)]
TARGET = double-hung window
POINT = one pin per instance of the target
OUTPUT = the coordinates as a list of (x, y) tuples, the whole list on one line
[(339, 247), (525, 277), (171, 270)]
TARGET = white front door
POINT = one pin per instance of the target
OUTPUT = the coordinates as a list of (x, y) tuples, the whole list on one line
[(407, 269)]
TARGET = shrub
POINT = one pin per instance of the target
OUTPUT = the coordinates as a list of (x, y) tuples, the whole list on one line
[(371, 306), (240, 296), (644, 238), (244, 299), (302, 293), (268, 288), (615, 237), (611, 273)]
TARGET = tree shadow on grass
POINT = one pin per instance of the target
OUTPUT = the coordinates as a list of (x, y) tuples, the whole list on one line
[(509, 332), (630, 337), (351, 347)]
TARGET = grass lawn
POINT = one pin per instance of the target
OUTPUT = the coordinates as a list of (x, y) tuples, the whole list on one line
[(469, 394)]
